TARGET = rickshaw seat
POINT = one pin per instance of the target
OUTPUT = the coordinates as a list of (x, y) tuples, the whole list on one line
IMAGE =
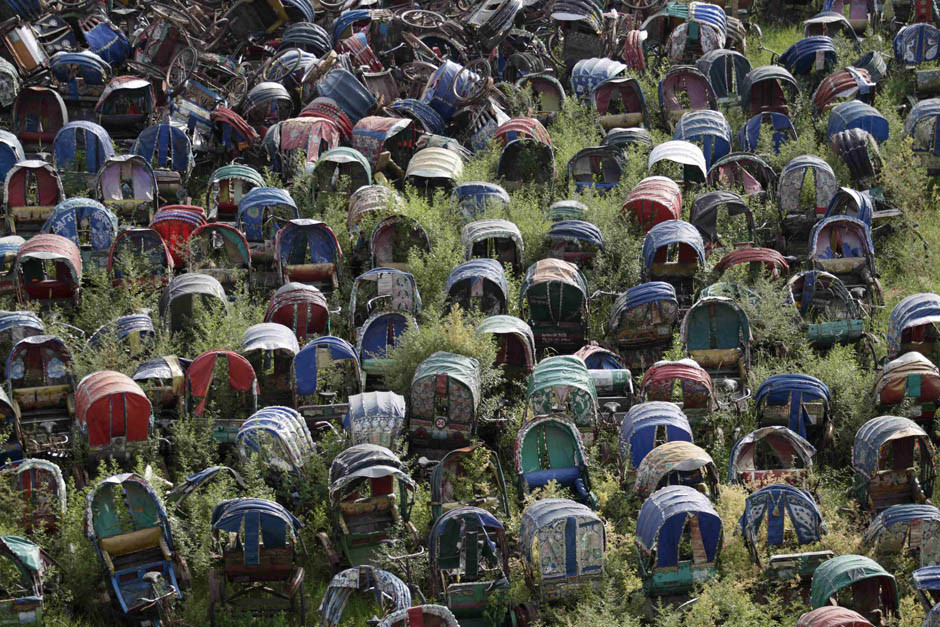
[(893, 487), (135, 541), (569, 477)]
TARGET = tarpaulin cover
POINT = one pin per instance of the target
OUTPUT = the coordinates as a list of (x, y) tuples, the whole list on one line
[(110, 404), (904, 514), (11, 152), (251, 210), (686, 153), (893, 383), (803, 56), (109, 42), (25, 319), (663, 517), (709, 129), (785, 443), (639, 427), (49, 350), (510, 325), (562, 370), (924, 111), (421, 614), (241, 376), (914, 310), (474, 197), (32, 474), (552, 270), (555, 530), (596, 357), (375, 418), (777, 503), (555, 442), (479, 270), (927, 578), (380, 332), (652, 292), (792, 389), (917, 43), (462, 520), (26, 553), (269, 336), (96, 143), (705, 209), (321, 243), (348, 93), (588, 74), (191, 284), (725, 70), (833, 616), (874, 433), (366, 461), (856, 114), (142, 181), (685, 370), (389, 591), (480, 230), (674, 456), (69, 214), (165, 368), (852, 203), (576, 230), (121, 328), (257, 521), (673, 232), (48, 184), (404, 295), (853, 234), (655, 199), (55, 248), (846, 570), (780, 125), (435, 163), (279, 434), (92, 69), (766, 73), (306, 362), (770, 258), (166, 146), (461, 368), (791, 183)]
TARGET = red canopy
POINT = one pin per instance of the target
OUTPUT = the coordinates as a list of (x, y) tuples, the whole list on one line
[(241, 376), (109, 404)]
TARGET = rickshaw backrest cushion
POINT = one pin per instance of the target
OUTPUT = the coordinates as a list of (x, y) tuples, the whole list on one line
[(566, 477), (132, 542), (374, 505)]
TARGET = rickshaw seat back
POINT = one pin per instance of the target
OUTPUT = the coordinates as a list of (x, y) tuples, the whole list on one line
[(569, 477), (674, 269), (841, 266), (274, 564), (133, 542), (716, 357), (381, 506)]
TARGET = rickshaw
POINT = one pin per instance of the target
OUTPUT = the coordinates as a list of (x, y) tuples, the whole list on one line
[(596, 357), (175, 224), (233, 132), (769, 455), (833, 616), (779, 127), (909, 529), (339, 172), (424, 615), (810, 55), (22, 602), (563, 544), (655, 199), (797, 213), (768, 260), (169, 152), (576, 241), (48, 269), (187, 294), (673, 251), (707, 209), (668, 519), (916, 44), (550, 448), (38, 114), (382, 289), (301, 308), (785, 508), (921, 125), (375, 418), (434, 168), (270, 349), (444, 400), (324, 375), (81, 77), (725, 70), (909, 386), (708, 129), (493, 239), (42, 490), (597, 168), (563, 385), (846, 84), (366, 509), (88, 224), (473, 199), (744, 171), (913, 326), (555, 304), (307, 251), (478, 285), (385, 142), (235, 397), (893, 461), (16, 325), (641, 322), (683, 383), (257, 572), (392, 240), (135, 330), (11, 152), (589, 74), (78, 152), (126, 106), (855, 114), (842, 246), (861, 582), (569, 209), (295, 145), (832, 314), (469, 555), (484, 485), (390, 594), (113, 415), (768, 89), (126, 185), (220, 251), (128, 525), (225, 189), (31, 191), (515, 344), (677, 462), (644, 427), (279, 436), (162, 379), (684, 88), (926, 584), (620, 103), (527, 155), (147, 248), (716, 333)]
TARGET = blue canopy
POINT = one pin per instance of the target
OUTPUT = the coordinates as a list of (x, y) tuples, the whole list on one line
[(479, 270), (800, 58), (466, 519), (915, 310), (69, 214), (639, 427), (260, 519), (749, 134), (917, 43), (321, 242), (92, 69), (861, 202), (474, 197), (167, 146), (11, 152), (776, 503), (874, 433), (430, 120), (662, 519), (652, 292), (96, 141), (857, 114), (672, 232), (707, 128), (929, 108), (305, 362), (251, 210), (588, 74), (907, 512), (371, 411), (576, 230), (27, 319), (108, 41), (377, 331), (121, 328), (346, 19), (792, 389), (926, 578), (848, 222)]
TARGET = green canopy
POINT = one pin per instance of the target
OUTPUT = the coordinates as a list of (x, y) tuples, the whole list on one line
[(845, 570), (564, 379), (25, 552), (460, 367)]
